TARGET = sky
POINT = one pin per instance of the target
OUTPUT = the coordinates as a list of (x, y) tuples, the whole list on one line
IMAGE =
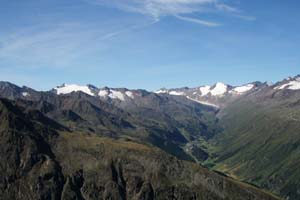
[(148, 44)]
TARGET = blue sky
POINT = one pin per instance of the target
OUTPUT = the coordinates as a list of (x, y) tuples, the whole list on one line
[(148, 43)]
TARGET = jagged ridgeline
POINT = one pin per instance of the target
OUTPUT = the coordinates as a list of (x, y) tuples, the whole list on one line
[(84, 142)]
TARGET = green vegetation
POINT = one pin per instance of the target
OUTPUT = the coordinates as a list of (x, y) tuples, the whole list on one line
[(260, 143)]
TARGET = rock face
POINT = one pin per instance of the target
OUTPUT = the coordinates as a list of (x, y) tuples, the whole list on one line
[(28, 166), (41, 159)]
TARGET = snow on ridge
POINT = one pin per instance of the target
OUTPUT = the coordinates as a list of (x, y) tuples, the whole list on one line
[(281, 87), (295, 86), (204, 90), (103, 93), (114, 94), (66, 89), (219, 89), (170, 92), (292, 85), (175, 93), (203, 102), (162, 91), (243, 89), (129, 94)]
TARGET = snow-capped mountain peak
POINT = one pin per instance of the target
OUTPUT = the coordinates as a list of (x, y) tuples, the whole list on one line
[(119, 94), (219, 89), (204, 90), (129, 94), (243, 89), (214, 95), (162, 91), (69, 88), (114, 94), (176, 93), (290, 84), (103, 93)]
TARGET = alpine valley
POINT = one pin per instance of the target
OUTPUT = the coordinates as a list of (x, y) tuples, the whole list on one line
[(208, 142)]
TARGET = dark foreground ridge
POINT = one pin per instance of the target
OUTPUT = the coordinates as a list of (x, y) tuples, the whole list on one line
[(41, 159)]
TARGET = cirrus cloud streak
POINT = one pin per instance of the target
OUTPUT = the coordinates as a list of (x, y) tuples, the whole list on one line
[(181, 9)]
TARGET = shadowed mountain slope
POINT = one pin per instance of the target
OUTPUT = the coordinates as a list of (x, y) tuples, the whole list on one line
[(44, 160), (261, 140), (170, 123)]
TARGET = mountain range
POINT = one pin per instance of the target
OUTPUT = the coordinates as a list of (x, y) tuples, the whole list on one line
[(84, 142)]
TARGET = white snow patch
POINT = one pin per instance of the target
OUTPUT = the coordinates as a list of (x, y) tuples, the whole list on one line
[(203, 102), (103, 93), (116, 95), (292, 85), (281, 87), (176, 93), (204, 90), (295, 86), (25, 94), (161, 92), (129, 94), (66, 89), (244, 88), (219, 89)]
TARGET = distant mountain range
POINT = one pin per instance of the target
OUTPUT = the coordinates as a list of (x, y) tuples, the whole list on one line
[(249, 132), (217, 93)]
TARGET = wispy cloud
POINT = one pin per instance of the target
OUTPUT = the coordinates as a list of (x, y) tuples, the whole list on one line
[(198, 21), (226, 8), (181, 9), (56, 46)]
